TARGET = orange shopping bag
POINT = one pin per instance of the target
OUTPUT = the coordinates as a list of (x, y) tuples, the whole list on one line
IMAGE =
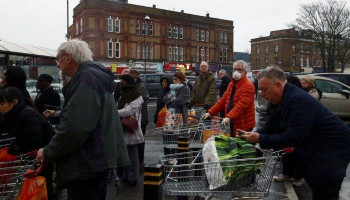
[(161, 117), (34, 188), (6, 172)]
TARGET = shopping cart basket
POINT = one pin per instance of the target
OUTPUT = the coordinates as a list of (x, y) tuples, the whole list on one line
[(11, 174), (185, 174), (6, 140)]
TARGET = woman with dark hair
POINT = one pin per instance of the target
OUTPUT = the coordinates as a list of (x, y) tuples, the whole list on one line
[(165, 83), (130, 105), (179, 96)]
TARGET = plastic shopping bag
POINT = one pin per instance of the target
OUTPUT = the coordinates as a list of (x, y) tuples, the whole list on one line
[(34, 189), (173, 121), (161, 117)]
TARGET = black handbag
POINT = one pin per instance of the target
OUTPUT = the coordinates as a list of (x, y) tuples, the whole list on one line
[(129, 124)]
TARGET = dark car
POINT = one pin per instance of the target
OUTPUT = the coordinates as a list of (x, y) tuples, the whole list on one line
[(152, 82), (341, 77)]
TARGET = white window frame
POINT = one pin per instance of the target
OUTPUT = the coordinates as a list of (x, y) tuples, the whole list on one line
[(150, 29), (138, 28), (293, 47), (81, 24), (266, 49), (225, 55), (181, 33), (197, 54), (221, 55), (110, 24), (225, 38), (138, 51), (176, 53), (207, 37), (170, 53), (117, 49), (145, 51), (151, 56), (117, 25), (170, 32), (276, 48), (110, 48), (307, 62), (294, 61), (76, 28), (202, 54), (221, 37), (144, 28), (175, 32), (181, 49), (207, 54), (202, 36), (257, 50), (301, 61), (197, 35)]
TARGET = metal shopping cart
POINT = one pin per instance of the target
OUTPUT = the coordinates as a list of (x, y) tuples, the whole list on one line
[(185, 174), (6, 140)]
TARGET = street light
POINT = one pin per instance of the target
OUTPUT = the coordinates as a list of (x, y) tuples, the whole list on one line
[(147, 18)]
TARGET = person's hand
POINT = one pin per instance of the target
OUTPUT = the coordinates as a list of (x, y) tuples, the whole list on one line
[(48, 113), (251, 137), (40, 155), (205, 116), (226, 121)]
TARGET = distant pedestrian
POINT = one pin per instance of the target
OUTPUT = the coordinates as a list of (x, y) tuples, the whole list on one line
[(165, 83), (225, 81), (47, 95), (308, 84), (204, 91), (117, 88)]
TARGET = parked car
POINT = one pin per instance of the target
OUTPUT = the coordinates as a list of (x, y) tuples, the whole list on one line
[(152, 82), (341, 77), (335, 96)]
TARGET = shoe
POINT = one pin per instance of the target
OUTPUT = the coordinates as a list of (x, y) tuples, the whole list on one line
[(298, 182), (281, 178)]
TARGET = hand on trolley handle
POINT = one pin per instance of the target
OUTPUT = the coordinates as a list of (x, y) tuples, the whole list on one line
[(40, 155)]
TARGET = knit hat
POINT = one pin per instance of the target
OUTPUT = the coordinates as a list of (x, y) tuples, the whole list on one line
[(134, 73), (128, 78)]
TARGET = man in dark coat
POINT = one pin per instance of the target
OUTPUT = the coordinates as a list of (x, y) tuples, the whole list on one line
[(47, 95), (225, 80), (321, 140)]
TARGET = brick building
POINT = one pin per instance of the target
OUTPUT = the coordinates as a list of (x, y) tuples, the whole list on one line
[(293, 51), (121, 35)]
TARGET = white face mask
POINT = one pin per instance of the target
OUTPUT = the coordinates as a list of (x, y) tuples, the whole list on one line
[(237, 75)]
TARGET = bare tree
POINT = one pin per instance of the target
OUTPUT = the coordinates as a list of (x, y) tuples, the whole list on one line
[(328, 24)]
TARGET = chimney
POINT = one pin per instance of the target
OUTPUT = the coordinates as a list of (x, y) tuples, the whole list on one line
[(207, 15), (154, 6), (182, 11)]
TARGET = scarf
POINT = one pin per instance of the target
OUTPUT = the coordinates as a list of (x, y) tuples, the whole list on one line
[(174, 87)]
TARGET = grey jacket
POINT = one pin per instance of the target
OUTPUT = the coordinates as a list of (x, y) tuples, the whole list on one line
[(180, 104)]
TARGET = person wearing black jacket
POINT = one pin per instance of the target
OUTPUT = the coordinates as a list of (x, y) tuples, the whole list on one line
[(29, 128), (47, 96), (165, 83), (225, 80)]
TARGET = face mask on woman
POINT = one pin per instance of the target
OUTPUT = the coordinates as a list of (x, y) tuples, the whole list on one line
[(237, 75)]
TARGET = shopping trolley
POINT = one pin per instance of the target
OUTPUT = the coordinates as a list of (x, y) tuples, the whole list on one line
[(6, 140), (185, 174)]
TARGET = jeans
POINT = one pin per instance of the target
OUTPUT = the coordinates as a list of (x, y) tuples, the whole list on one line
[(94, 188), (131, 172)]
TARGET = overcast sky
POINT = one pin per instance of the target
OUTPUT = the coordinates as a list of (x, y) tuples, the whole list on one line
[(42, 23)]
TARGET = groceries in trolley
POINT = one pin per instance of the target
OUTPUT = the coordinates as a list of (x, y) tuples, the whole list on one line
[(224, 148)]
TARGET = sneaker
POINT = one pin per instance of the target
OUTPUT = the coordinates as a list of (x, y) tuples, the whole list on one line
[(281, 178), (298, 182)]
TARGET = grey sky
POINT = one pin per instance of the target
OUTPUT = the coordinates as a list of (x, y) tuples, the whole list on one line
[(43, 22)]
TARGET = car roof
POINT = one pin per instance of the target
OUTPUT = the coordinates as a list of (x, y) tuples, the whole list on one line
[(324, 78)]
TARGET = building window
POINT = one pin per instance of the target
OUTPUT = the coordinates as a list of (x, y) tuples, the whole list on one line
[(144, 28), (293, 47), (202, 54), (151, 29), (197, 54), (145, 51), (176, 54), (138, 28), (138, 51), (276, 60), (257, 50), (302, 48), (225, 55), (221, 56), (203, 36), (301, 61), (225, 38), (266, 49), (181, 33), (110, 24), (170, 32), (221, 37), (151, 52), (266, 60), (76, 28), (81, 24), (207, 37), (117, 50), (257, 63), (170, 53), (110, 49), (276, 48), (181, 53), (197, 35), (117, 25), (307, 62), (207, 54), (293, 61), (175, 32)]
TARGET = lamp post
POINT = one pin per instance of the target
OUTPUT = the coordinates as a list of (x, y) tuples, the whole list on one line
[(147, 18)]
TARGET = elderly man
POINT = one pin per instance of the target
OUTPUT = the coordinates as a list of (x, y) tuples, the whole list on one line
[(204, 91), (238, 101), (89, 140), (321, 140)]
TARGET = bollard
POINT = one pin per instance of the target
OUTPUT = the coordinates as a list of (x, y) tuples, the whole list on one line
[(183, 146), (153, 179)]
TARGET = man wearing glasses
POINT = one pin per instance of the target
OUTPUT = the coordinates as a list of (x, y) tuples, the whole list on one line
[(237, 101)]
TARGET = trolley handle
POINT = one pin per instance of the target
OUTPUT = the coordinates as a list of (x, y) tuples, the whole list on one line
[(288, 150)]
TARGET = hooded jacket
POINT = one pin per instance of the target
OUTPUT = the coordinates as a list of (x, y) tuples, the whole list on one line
[(160, 102), (204, 90), (89, 139)]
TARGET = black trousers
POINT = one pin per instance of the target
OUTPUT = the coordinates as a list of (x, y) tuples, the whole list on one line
[(93, 189), (291, 166), (329, 190), (141, 146)]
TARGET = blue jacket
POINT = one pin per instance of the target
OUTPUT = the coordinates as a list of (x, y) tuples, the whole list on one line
[(321, 139)]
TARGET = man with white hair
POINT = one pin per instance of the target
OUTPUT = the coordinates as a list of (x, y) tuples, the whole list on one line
[(238, 101), (204, 91), (89, 140)]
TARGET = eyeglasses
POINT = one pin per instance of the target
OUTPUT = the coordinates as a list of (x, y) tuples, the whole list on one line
[(58, 58), (239, 70)]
